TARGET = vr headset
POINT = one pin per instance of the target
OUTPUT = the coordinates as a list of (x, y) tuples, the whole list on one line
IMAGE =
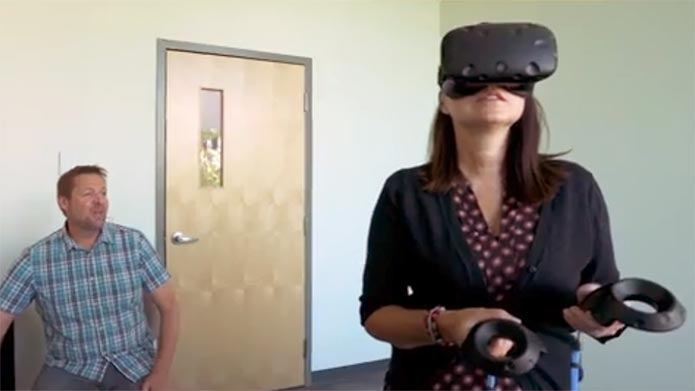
[(515, 55)]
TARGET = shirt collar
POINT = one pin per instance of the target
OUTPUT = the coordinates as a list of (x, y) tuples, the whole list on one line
[(106, 236), (460, 182)]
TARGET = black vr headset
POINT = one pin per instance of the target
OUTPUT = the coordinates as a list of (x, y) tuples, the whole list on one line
[(513, 54)]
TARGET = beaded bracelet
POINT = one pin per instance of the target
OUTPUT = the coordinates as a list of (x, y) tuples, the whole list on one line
[(431, 325)]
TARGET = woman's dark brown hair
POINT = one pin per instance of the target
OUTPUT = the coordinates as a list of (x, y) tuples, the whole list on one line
[(531, 177)]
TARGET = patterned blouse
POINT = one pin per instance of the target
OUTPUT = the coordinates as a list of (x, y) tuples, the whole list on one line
[(501, 257)]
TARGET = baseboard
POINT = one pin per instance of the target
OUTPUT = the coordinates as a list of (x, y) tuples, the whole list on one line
[(321, 376)]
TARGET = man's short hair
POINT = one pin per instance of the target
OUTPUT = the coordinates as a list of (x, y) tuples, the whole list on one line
[(66, 182)]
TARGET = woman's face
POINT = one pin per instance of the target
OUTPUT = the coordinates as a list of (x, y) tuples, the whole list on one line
[(493, 106)]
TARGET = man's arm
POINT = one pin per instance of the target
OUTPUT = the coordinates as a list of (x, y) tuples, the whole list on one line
[(157, 282), (16, 292), (164, 299), (5, 322)]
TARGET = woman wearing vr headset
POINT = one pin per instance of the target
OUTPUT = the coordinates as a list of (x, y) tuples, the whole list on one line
[(488, 228)]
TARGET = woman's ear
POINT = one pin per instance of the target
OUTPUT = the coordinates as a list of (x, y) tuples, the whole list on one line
[(442, 104)]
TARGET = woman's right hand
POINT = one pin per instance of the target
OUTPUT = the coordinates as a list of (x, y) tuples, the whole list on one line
[(455, 325)]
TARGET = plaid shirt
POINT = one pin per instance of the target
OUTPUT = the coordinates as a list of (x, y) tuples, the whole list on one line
[(91, 302)]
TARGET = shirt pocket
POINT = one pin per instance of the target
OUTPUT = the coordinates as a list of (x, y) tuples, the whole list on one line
[(124, 288)]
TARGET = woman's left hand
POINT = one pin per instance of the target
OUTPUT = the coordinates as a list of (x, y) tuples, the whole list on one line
[(582, 320)]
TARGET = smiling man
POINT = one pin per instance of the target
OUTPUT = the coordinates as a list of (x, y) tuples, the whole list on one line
[(88, 280)]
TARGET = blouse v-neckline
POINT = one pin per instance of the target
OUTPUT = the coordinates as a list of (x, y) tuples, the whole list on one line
[(466, 253)]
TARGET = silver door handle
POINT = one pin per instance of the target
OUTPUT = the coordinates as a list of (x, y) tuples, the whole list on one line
[(180, 238)]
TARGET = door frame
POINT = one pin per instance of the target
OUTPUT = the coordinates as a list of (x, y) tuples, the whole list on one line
[(164, 45)]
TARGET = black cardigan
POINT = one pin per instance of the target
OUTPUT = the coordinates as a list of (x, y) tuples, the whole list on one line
[(415, 242)]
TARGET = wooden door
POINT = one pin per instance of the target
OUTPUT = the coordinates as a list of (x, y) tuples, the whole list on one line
[(235, 210)]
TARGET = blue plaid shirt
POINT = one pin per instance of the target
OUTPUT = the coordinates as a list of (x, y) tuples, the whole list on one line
[(91, 301)]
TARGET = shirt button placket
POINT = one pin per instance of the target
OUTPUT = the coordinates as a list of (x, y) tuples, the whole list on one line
[(96, 311)]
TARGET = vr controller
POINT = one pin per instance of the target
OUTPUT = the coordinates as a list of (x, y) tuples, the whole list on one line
[(607, 304), (525, 352), (476, 55)]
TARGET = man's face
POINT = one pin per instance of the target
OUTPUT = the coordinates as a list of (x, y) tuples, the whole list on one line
[(87, 205)]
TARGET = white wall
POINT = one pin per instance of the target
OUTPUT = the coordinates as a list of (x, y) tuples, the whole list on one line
[(78, 77), (623, 100)]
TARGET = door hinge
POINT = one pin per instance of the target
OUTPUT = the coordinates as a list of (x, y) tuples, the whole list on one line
[(304, 349), (306, 102)]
